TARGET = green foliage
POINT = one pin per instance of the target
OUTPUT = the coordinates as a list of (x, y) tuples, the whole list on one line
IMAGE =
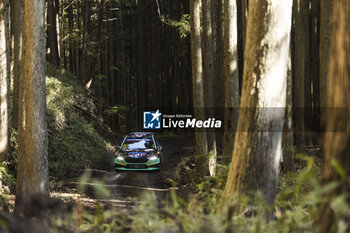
[(8, 167), (117, 110), (7, 179), (183, 25), (295, 209), (74, 140)]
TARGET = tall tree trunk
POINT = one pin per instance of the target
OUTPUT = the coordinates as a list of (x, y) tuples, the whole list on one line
[(256, 156), (5, 64), (218, 67), (315, 71), (325, 35), (35, 127), (288, 142), (337, 136), (52, 42), (301, 57), (244, 15), (61, 28), (208, 60), (20, 185), (231, 78), (83, 59), (76, 55), (197, 80), (70, 41), (16, 23)]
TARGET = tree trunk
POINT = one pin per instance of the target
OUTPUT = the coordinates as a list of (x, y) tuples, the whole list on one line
[(337, 136), (52, 42), (315, 71), (325, 34), (197, 80), (5, 65), (244, 15), (16, 22), (288, 142), (256, 156), (70, 41), (35, 129), (231, 78), (208, 60), (301, 57), (20, 186), (83, 59), (218, 67)]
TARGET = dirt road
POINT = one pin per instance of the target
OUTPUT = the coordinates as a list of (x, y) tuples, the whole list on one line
[(126, 188)]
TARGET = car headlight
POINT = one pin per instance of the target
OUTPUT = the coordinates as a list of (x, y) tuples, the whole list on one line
[(153, 157), (119, 157)]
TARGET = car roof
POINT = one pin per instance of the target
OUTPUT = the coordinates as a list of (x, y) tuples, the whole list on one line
[(142, 133)]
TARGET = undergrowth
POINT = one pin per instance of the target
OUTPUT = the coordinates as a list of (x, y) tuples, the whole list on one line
[(295, 209), (74, 127), (77, 137)]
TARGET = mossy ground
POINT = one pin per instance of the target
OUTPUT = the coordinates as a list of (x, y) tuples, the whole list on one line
[(74, 127)]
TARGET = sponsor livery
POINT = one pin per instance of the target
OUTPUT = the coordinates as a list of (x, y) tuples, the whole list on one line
[(139, 151)]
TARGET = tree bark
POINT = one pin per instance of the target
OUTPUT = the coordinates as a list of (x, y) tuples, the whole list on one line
[(16, 23), (218, 63), (34, 135), (337, 136), (301, 58), (231, 78), (208, 60), (52, 42), (197, 80), (82, 74), (5, 64), (256, 156), (325, 35), (288, 142)]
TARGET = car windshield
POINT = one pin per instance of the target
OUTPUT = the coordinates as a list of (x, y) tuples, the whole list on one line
[(138, 143)]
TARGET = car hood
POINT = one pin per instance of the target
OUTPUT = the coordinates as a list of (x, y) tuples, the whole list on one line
[(137, 153), (138, 150)]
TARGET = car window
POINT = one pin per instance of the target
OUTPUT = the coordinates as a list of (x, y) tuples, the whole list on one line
[(138, 143)]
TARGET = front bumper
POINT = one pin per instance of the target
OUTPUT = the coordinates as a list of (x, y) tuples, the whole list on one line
[(148, 166)]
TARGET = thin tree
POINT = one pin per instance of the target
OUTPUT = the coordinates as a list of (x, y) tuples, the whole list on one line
[(16, 30), (325, 34), (288, 142), (218, 63), (197, 80), (208, 73), (33, 133), (337, 137), (256, 156), (301, 56), (52, 41), (5, 62), (82, 74), (231, 78)]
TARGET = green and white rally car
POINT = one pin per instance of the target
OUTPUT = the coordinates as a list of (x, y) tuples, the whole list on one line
[(139, 151)]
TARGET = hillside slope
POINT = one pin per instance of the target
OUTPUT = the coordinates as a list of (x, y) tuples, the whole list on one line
[(77, 137)]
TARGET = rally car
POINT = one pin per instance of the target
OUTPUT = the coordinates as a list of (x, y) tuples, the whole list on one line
[(139, 151)]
